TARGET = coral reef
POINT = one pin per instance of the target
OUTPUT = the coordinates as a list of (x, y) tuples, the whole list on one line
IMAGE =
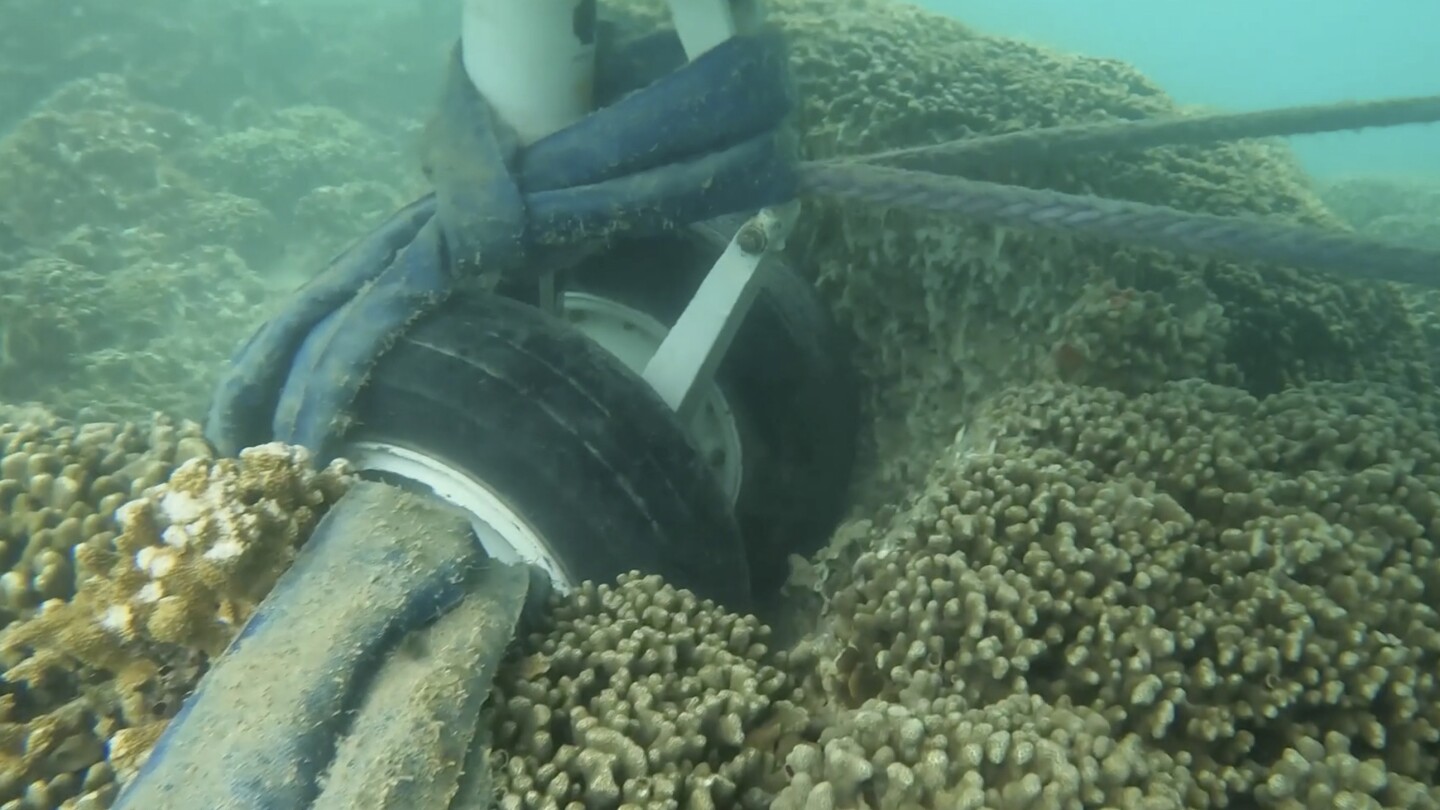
[(142, 245), (131, 556), (142, 337), (116, 254), (1186, 598), (1404, 210), (1076, 577), (209, 56), (282, 155), (643, 696), (949, 313), (93, 153), (60, 486), (1209, 586)]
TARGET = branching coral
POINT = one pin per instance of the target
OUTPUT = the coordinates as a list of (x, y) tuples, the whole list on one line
[(1138, 594), (1224, 584), (949, 313), (126, 572), (640, 695)]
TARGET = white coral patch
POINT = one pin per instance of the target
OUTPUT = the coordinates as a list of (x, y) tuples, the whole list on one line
[(151, 593), (180, 507), (227, 549), (155, 561), (119, 619), (127, 513)]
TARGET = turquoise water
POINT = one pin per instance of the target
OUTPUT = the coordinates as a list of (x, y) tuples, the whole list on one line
[(1240, 55)]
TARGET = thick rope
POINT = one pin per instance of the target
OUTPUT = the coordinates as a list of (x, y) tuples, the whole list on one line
[(1059, 143), (1124, 221)]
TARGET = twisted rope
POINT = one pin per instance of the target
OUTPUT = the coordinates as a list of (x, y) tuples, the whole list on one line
[(1124, 221), (1058, 143)]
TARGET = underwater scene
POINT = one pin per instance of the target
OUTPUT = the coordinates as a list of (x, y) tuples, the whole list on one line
[(1080, 447)]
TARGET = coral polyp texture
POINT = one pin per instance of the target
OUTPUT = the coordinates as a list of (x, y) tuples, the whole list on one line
[(1133, 529), (133, 557), (948, 313), (1212, 587), (641, 695)]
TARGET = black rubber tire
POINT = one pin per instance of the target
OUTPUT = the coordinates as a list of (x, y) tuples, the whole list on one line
[(787, 376), (566, 435)]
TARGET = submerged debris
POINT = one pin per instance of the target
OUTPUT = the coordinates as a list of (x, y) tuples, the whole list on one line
[(1182, 553), (133, 557)]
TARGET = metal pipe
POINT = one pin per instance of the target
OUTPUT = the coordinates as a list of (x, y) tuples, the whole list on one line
[(533, 60)]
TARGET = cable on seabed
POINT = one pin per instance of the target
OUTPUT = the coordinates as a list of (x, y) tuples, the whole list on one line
[(859, 178)]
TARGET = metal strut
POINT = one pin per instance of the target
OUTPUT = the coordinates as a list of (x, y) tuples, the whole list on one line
[(687, 358), (534, 62)]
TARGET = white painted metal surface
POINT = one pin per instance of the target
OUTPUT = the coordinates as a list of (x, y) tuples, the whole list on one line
[(504, 534), (633, 337), (525, 58)]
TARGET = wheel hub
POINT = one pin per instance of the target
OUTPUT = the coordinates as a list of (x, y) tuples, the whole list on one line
[(633, 337), (505, 534)]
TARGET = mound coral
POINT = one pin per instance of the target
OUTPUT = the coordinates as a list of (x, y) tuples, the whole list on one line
[(1076, 578), (949, 313)]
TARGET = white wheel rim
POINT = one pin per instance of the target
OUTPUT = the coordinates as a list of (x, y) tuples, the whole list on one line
[(634, 337), (504, 533)]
